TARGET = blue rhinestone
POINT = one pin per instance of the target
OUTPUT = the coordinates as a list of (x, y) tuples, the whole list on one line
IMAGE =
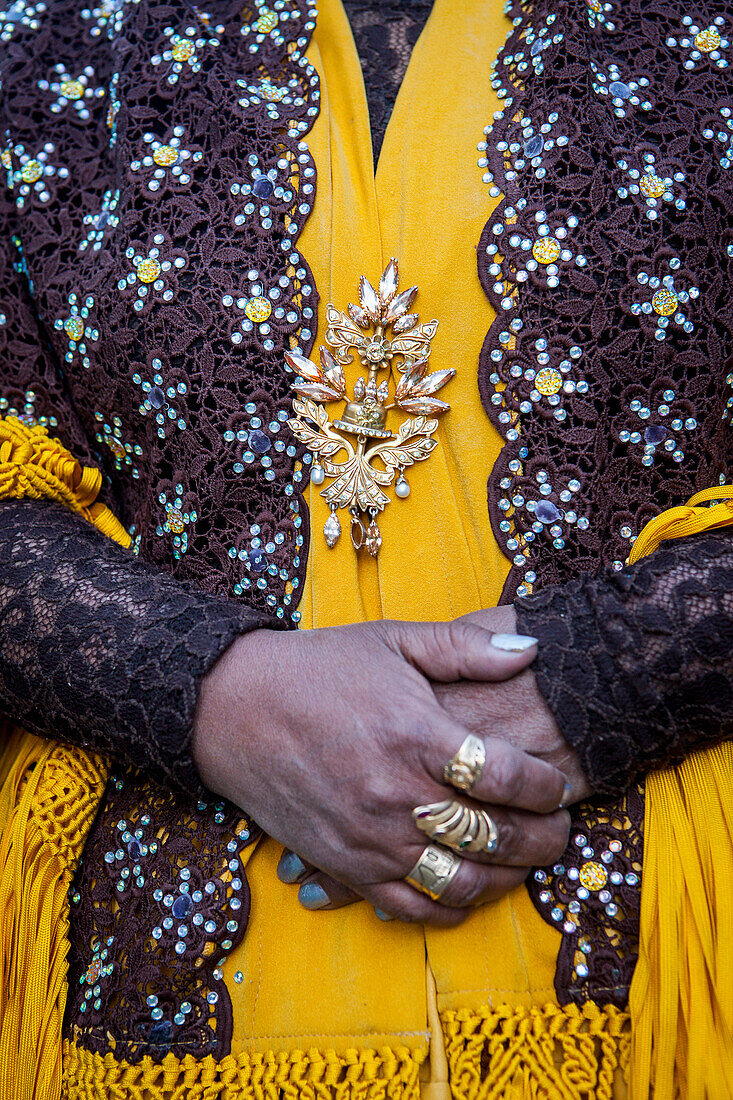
[(620, 90), (655, 434), (533, 147), (161, 1034), (257, 561), (263, 187), (156, 397), (259, 442), (537, 47), (133, 849), (547, 512), (182, 906)]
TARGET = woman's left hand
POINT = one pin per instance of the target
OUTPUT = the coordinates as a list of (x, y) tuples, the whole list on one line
[(513, 711)]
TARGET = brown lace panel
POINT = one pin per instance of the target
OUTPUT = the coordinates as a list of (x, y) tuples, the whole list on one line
[(158, 902), (160, 180), (608, 261)]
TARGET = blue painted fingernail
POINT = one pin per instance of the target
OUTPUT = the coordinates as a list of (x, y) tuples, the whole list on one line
[(382, 915), (290, 868), (313, 896), (512, 643), (567, 795)]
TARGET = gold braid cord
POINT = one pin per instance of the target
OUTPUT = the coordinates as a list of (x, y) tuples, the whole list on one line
[(385, 336)]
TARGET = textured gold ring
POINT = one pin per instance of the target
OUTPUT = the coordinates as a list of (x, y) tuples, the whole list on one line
[(434, 870), (454, 825), (466, 768)]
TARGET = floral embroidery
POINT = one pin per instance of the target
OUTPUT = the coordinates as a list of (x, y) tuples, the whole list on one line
[(72, 89), (185, 50), (30, 178), (623, 93), (664, 300), (167, 159), (122, 451), (176, 521), (152, 270), (99, 224), (649, 184), (158, 400), (77, 329), (699, 43), (20, 14)]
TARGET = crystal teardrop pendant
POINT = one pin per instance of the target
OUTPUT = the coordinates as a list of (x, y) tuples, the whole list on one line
[(332, 529), (373, 539), (358, 533)]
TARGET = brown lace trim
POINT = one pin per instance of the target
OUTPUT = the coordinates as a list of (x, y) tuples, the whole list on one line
[(607, 261)]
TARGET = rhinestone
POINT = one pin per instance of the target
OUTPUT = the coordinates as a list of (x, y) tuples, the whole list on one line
[(547, 512), (593, 876), (620, 90), (546, 250), (652, 186), (183, 50), (259, 442), (72, 89), (31, 171), (533, 146), (134, 850), (665, 302), (148, 270), (267, 22), (655, 434), (182, 906), (165, 155), (263, 187), (258, 309), (156, 397), (74, 328), (548, 381), (707, 40)]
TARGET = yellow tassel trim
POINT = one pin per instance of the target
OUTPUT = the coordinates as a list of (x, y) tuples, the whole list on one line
[(553, 1052), (384, 1074), (681, 999), (48, 800)]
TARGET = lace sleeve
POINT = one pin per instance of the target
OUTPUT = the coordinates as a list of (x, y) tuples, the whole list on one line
[(637, 667), (100, 649)]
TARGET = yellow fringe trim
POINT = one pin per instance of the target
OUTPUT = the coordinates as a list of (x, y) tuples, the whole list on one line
[(681, 999), (48, 800), (553, 1052), (384, 1074)]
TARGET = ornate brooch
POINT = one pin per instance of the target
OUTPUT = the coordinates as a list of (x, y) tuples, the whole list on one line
[(361, 433)]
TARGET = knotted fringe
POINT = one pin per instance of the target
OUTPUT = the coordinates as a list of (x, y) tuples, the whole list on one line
[(681, 1000), (384, 1074), (552, 1052), (48, 799)]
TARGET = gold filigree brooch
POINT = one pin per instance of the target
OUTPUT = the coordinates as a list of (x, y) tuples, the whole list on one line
[(385, 336)]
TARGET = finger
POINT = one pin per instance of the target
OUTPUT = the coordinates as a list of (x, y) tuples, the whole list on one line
[(471, 886), (461, 650), (320, 891), (291, 868), (524, 839)]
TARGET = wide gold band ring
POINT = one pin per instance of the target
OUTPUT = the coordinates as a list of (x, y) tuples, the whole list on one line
[(466, 768), (433, 871), (454, 825)]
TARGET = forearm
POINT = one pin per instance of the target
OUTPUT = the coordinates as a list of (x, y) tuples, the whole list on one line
[(101, 650), (637, 666)]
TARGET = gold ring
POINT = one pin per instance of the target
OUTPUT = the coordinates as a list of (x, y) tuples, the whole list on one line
[(433, 871), (466, 768), (454, 825)]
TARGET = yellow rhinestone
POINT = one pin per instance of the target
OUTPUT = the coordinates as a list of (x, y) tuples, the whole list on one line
[(593, 876), (548, 381), (72, 89), (267, 22), (270, 93), (665, 302), (183, 50), (546, 250), (258, 309), (7, 158), (116, 448), (175, 521), (111, 116), (595, 6), (652, 186), (74, 328), (707, 40), (93, 971), (148, 271), (31, 171), (165, 155)]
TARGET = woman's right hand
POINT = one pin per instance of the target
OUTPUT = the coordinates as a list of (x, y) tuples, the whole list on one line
[(329, 738)]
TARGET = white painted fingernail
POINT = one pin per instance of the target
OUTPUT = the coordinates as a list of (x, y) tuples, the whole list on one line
[(512, 643)]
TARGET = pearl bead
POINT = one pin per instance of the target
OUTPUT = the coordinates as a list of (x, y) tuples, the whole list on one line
[(318, 475), (402, 489)]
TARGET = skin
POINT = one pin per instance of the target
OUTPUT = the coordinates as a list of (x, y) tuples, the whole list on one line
[(512, 709), (329, 738)]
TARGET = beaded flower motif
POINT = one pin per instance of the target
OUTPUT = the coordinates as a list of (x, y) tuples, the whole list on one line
[(99, 969), (650, 185), (185, 49), (530, 151), (176, 521), (75, 90), (623, 92), (151, 271), (162, 401), (534, 373), (598, 14), (123, 452), (536, 41), (97, 225), (702, 43), (20, 14), (720, 130), (34, 171), (167, 159), (659, 425), (667, 302), (104, 18), (77, 328)]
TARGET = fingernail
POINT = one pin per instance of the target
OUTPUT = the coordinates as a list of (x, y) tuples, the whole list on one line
[(382, 915), (512, 643), (312, 896), (290, 868), (567, 794)]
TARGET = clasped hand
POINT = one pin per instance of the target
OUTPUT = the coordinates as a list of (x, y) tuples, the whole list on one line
[(329, 738)]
